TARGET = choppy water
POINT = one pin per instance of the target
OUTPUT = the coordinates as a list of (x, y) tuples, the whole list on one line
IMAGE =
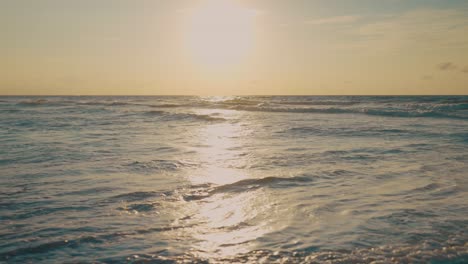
[(234, 179)]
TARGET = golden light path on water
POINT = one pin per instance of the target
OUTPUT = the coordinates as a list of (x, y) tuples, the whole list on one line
[(229, 220)]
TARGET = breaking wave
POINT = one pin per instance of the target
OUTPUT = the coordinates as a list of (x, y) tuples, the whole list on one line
[(178, 116), (365, 111), (404, 107)]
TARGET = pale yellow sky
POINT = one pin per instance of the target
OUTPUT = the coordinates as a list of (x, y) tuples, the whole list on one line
[(222, 47)]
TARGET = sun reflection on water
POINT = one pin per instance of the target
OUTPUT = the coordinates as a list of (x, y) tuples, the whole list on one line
[(231, 223), (221, 150), (231, 218)]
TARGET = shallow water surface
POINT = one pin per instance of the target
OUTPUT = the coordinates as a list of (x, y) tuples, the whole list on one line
[(234, 179)]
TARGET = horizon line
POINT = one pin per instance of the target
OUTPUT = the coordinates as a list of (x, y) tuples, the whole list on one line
[(194, 95)]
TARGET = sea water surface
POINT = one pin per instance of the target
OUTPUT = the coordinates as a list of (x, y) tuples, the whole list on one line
[(234, 179)]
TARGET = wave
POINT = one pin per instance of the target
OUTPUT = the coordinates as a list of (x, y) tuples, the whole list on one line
[(34, 102), (405, 107), (181, 116), (247, 185), (11, 110), (41, 102), (155, 113), (317, 103), (45, 211), (289, 100), (426, 251), (139, 207), (79, 241), (239, 101), (59, 102), (451, 107), (363, 132), (105, 103), (395, 113), (159, 165), (135, 196), (48, 246), (267, 181), (166, 105), (293, 110), (453, 250), (193, 117), (365, 111)]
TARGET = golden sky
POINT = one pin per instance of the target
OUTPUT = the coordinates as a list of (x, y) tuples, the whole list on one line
[(225, 47)]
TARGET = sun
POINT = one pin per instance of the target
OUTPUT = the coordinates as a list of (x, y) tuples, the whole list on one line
[(220, 33)]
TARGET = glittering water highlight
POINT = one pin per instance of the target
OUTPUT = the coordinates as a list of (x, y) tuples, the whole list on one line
[(234, 179)]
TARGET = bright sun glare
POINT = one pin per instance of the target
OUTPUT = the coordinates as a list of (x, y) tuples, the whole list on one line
[(220, 33)]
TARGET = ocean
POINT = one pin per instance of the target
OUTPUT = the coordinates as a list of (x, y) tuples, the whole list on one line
[(246, 179)]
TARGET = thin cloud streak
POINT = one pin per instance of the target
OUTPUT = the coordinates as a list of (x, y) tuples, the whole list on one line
[(446, 66), (425, 29)]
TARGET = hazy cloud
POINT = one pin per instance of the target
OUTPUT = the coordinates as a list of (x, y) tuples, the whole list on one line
[(426, 77), (333, 20), (446, 66), (424, 29), (465, 70)]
